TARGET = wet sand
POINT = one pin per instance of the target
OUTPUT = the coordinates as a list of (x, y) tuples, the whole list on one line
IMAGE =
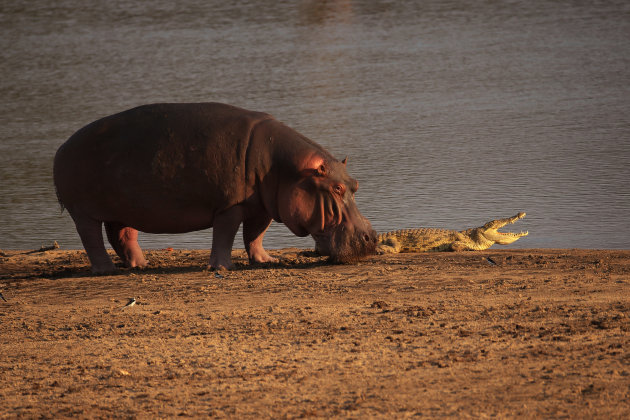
[(531, 333)]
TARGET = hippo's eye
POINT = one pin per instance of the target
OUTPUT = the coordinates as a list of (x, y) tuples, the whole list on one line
[(339, 189)]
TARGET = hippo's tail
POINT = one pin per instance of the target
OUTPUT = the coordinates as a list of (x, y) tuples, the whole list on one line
[(59, 199), (55, 169)]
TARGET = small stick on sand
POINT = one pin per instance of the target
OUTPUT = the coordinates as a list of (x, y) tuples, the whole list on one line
[(55, 245)]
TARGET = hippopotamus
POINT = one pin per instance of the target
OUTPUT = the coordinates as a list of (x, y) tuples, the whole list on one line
[(175, 168)]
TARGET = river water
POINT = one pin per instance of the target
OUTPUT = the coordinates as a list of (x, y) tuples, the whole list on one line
[(452, 113)]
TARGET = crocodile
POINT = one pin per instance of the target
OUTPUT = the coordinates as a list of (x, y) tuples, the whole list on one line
[(431, 239)]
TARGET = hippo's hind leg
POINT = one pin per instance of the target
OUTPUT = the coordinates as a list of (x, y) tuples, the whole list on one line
[(124, 240), (91, 234)]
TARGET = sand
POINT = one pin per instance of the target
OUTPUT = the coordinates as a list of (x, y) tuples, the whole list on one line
[(531, 333)]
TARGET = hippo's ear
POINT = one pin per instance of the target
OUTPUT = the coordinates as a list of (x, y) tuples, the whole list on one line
[(345, 161), (315, 166)]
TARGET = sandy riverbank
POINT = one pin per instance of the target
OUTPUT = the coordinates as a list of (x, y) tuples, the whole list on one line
[(541, 333)]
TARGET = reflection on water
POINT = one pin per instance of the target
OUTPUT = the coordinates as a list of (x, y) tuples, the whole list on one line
[(453, 113)]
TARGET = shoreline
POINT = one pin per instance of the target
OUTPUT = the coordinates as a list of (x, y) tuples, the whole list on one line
[(531, 333)]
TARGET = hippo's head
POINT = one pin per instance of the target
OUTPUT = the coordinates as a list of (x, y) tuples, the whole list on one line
[(321, 203)]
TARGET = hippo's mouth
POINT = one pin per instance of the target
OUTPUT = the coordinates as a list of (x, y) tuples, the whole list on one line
[(339, 230), (343, 246)]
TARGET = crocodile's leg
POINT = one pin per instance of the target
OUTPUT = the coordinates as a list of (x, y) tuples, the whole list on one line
[(458, 247), (389, 246)]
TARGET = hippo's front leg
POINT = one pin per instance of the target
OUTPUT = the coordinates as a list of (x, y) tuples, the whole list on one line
[(254, 229), (224, 230)]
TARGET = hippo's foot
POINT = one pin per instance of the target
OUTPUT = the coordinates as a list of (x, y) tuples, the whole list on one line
[(134, 262), (218, 266), (103, 268), (220, 260), (124, 240), (261, 258)]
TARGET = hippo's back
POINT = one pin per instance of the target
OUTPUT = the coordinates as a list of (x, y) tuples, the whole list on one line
[(156, 162)]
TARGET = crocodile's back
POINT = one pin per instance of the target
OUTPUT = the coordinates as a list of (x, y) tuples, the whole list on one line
[(417, 240)]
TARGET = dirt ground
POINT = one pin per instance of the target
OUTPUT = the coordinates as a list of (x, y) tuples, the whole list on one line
[(528, 333)]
